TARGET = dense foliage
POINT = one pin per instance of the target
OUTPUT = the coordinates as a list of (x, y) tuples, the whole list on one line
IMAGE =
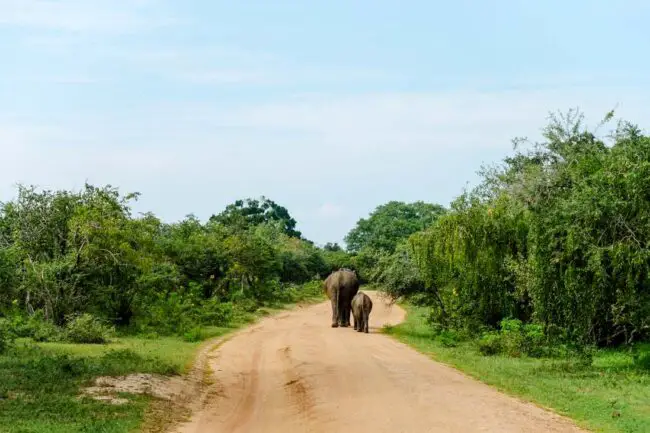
[(72, 259), (376, 244), (391, 223), (557, 236), (245, 213)]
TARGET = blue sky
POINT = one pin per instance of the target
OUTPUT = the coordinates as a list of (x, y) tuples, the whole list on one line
[(330, 108)]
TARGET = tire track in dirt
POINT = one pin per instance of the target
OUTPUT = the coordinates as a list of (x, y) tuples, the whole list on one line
[(243, 411), (296, 385)]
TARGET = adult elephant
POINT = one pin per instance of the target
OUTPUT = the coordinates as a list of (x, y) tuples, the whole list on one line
[(341, 286)]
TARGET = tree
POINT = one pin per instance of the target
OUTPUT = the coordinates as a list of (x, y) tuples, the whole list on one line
[(253, 212), (391, 223), (332, 247)]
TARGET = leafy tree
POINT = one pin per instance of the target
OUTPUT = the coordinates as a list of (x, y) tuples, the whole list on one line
[(391, 223), (557, 236), (252, 212), (332, 247)]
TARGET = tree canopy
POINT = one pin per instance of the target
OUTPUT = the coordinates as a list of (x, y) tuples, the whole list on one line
[(252, 212), (391, 223)]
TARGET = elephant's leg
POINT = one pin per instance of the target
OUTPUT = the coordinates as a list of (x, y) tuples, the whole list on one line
[(346, 316), (342, 304), (366, 317), (347, 310), (356, 321), (335, 313)]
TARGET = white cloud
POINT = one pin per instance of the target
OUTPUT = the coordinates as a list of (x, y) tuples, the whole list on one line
[(331, 211), (213, 65), (450, 121), (98, 16), (225, 76)]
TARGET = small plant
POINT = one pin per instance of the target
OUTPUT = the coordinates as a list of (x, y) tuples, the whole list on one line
[(194, 335), (448, 338), (512, 337), (46, 331), (6, 335), (515, 339), (642, 361), (534, 340), (35, 327), (216, 313), (87, 329), (490, 344)]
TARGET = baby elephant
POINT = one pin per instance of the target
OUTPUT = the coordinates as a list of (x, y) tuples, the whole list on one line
[(361, 308)]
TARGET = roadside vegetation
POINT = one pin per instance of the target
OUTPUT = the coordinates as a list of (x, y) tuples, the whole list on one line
[(89, 290), (538, 279)]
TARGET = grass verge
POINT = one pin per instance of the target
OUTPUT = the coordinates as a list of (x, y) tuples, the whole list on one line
[(611, 395), (40, 382)]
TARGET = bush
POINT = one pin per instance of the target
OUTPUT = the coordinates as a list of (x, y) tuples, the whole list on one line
[(193, 335), (512, 337), (490, 344), (86, 329), (515, 339), (37, 328), (216, 313), (170, 314), (641, 356), (642, 361), (448, 338), (534, 340), (312, 289), (246, 305), (46, 331), (6, 335)]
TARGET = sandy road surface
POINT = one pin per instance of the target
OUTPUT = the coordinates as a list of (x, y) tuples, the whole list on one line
[(293, 373)]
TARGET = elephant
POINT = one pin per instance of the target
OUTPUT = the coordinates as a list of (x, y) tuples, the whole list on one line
[(340, 287), (361, 308)]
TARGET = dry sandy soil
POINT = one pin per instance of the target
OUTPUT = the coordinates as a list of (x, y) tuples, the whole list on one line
[(293, 373)]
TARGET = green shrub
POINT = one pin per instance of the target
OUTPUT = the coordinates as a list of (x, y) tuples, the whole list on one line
[(193, 335), (216, 313), (246, 305), (642, 361), (448, 338), (35, 327), (46, 331), (490, 344), (6, 335), (170, 314), (515, 339), (512, 337), (86, 329), (534, 340)]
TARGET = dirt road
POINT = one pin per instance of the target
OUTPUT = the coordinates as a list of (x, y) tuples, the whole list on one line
[(293, 373)]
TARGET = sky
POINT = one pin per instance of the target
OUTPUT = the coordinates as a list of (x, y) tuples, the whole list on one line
[(329, 108)]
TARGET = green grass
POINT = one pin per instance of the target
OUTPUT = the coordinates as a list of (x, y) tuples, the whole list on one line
[(611, 395), (39, 388), (40, 382)]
